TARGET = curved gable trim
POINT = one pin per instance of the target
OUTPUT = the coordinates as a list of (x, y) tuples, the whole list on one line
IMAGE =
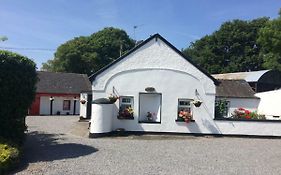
[(156, 36)]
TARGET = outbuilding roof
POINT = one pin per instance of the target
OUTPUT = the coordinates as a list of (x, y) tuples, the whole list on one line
[(234, 89), (93, 76), (253, 76), (58, 82)]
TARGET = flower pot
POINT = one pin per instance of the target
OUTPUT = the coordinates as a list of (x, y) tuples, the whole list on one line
[(83, 101)]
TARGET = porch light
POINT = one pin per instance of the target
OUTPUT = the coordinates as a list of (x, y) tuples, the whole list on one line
[(150, 89)]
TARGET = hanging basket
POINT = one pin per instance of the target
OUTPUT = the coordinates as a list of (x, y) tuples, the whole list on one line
[(83, 101), (197, 103)]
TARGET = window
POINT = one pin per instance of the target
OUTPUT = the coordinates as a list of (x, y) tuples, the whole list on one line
[(184, 110), (150, 108), (66, 105), (126, 108), (222, 108)]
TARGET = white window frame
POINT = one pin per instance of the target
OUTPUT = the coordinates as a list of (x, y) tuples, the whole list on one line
[(131, 103), (185, 106)]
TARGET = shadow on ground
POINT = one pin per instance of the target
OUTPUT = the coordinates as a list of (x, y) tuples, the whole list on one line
[(49, 147)]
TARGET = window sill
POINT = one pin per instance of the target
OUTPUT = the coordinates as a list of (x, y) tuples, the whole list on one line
[(179, 120), (125, 118), (150, 122)]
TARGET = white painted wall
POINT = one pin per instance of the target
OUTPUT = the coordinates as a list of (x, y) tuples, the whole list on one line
[(248, 128), (57, 105), (157, 65), (102, 120), (83, 107), (250, 104), (270, 104)]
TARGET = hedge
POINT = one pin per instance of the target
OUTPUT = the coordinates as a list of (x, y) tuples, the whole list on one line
[(17, 90), (9, 156)]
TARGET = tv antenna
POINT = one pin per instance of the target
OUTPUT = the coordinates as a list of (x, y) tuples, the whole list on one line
[(135, 28)]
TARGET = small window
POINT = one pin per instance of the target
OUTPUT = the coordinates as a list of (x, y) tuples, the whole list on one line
[(222, 108), (184, 110), (66, 105), (126, 110)]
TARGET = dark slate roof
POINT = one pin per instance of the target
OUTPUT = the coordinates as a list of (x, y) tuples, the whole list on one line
[(93, 76), (235, 89), (58, 82)]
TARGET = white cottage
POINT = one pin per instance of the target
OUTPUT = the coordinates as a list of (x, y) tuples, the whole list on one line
[(156, 82), (160, 90)]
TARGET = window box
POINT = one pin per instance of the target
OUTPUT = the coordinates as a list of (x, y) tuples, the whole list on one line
[(150, 122), (125, 118), (182, 120)]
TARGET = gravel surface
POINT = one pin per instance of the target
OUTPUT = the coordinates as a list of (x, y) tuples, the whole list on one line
[(59, 145)]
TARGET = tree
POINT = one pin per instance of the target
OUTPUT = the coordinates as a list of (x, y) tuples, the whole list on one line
[(270, 39), (232, 48), (3, 38), (17, 86), (87, 54)]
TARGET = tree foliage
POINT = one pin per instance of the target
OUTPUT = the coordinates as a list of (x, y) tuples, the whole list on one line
[(17, 86), (87, 54), (232, 48), (270, 39)]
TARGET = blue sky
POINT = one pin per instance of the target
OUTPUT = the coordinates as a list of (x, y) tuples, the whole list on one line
[(47, 24)]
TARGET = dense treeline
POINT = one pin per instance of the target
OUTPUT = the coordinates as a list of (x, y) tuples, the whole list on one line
[(239, 45)]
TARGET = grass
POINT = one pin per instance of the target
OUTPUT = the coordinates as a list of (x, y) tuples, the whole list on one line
[(9, 156)]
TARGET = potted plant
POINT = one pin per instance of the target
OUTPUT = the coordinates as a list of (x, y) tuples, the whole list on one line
[(149, 116), (185, 116), (113, 98), (127, 113), (83, 101)]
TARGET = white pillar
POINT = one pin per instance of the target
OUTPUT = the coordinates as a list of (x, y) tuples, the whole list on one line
[(101, 120)]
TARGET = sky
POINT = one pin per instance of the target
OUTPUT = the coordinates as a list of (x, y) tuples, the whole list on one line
[(45, 25)]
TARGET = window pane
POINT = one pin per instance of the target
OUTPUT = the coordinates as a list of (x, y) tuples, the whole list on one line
[(66, 104), (184, 103), (126, 100)]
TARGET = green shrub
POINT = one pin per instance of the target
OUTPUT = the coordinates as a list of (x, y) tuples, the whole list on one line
[(9, 156), (17, 90), (220, 108)]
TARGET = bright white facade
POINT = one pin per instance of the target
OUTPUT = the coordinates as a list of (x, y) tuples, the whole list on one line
[(58, 108), (270, 104), (175, 81), (157, 65)]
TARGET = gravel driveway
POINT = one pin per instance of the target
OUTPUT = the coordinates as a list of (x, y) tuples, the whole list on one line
[(59, 145)]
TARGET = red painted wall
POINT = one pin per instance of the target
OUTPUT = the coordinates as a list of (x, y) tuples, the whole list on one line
[(35, 107)]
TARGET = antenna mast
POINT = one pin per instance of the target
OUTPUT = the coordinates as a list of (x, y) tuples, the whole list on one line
[(135, 28)]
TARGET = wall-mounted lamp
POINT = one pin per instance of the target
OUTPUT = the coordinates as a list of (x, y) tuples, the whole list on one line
[(196, 92), (149, 89)]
